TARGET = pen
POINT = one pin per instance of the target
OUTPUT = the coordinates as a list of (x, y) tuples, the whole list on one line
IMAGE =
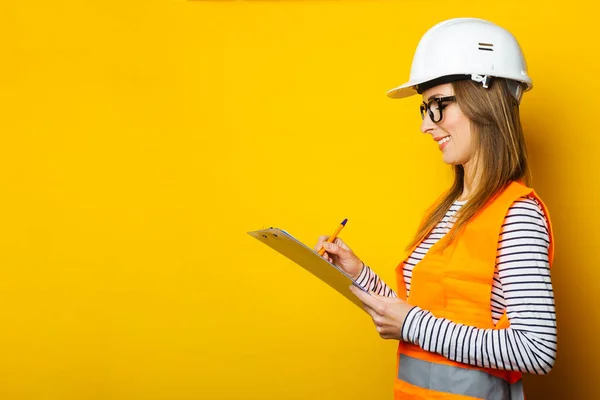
[(332, 237)]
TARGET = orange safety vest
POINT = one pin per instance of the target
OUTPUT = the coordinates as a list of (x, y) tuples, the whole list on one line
[(456, 284)]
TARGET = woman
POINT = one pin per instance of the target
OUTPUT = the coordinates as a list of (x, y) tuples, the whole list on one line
[(475, 307)]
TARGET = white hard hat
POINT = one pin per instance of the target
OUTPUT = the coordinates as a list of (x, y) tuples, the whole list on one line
[(466, 48)]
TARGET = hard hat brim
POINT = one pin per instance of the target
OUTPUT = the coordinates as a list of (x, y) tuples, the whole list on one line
[(401, 92), (410, 88), (405, 90)]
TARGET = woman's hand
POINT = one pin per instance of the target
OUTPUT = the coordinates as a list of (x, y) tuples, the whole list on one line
[(388, 313), (340, 255)]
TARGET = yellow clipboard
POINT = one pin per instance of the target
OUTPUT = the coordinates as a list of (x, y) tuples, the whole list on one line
[(285, 244)]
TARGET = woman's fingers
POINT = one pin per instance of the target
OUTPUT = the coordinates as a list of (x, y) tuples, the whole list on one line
[(334, 248), (339, 243), (319, 244)]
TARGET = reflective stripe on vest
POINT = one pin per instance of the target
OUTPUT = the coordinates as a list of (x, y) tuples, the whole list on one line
[(457, 380)]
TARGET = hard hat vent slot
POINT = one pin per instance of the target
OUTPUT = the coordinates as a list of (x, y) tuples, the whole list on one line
[(486, 46)]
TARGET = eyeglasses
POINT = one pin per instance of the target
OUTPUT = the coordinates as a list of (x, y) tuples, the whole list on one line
[(434, 107)]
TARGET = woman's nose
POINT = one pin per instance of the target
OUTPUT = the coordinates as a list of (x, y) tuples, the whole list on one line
[(427, 125)]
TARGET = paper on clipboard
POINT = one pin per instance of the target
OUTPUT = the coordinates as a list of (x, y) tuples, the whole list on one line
[(284, 243)]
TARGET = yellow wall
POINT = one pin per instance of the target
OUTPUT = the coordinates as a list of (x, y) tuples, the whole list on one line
[(142, 139)]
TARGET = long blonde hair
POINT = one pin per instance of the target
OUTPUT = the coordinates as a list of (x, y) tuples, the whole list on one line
[(501, 153)]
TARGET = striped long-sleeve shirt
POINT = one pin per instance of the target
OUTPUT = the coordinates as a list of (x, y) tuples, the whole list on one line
[(521, 287)]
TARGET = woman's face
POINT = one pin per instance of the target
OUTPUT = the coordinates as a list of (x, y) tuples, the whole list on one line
[(452, 133)]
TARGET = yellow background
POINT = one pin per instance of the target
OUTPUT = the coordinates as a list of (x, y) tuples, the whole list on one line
[(142, 139)]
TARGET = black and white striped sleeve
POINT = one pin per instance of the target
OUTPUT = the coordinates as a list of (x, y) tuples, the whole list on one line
[(369, 280), (529, 344)]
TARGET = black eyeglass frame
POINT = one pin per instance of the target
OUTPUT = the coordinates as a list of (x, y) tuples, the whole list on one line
[(439, 100)]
